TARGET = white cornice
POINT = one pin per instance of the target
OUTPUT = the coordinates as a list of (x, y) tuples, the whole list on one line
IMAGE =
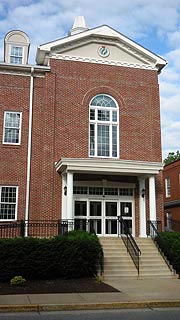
[(108, 166), (23, 69), (102, 61), (106, 34)]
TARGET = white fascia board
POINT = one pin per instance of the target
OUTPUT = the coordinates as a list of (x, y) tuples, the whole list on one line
[(108, 166), (23, 67), (104, 31)]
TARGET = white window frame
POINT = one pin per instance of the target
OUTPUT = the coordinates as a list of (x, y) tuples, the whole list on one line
[(16, 204), (168, 187), (110, 123), (16, 56), (4, 128)]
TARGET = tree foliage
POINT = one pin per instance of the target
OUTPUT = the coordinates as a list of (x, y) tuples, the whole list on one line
[(172, 156)]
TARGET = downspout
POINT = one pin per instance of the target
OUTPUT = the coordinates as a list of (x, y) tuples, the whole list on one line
[(29, 151)]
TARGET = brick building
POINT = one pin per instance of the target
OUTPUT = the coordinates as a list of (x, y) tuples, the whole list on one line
[(80, 131), (171, 177)]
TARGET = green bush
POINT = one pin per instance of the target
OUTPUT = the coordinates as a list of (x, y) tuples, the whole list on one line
[(75, 254), (169, 243), (17, 281)]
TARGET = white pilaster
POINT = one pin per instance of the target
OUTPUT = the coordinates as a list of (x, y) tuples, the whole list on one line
[(69, 195), (64, 197), (152, 199), (142, 208)]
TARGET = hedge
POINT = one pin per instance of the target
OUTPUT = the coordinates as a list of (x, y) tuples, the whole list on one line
[(76, 254), (169, 243)]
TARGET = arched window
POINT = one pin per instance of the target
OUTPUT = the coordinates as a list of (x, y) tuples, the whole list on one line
[(104, 122)]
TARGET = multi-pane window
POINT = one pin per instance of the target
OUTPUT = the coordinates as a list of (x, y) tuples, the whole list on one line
[(103, 191), (168, 187), (103, 117), (12, 127), (16, 55), (8, 203)]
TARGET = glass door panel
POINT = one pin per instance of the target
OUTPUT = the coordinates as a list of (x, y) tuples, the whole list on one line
[(110, 218), (80, 208), (80, 213), (126, 213), (95, 216)]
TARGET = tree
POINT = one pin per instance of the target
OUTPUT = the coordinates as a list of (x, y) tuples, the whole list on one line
[(172, 156)]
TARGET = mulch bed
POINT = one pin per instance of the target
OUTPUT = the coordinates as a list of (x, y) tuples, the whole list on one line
[(84, 285)]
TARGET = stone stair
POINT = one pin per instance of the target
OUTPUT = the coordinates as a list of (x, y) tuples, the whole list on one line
[(152, 264), (118, 263)]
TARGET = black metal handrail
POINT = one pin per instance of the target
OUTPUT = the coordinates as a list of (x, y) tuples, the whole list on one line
[(130, 243), (153, 230)]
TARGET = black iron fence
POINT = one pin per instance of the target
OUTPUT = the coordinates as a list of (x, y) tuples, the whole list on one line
[(45, 228), (36, 228)]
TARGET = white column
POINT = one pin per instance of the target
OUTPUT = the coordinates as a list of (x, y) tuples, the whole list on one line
[(69, 195), (142, 208), (152, 199), (64, 198)]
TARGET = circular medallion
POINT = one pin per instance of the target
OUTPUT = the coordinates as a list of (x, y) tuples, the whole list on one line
[(103, 51)]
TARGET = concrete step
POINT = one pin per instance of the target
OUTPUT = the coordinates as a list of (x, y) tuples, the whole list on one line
[(118, 263)]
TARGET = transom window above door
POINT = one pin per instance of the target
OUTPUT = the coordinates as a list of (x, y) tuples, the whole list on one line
[(104, 123)]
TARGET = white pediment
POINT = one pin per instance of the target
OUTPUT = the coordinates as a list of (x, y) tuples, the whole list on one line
[(87, 45)]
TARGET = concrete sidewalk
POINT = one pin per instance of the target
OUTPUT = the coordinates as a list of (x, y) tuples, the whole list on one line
[(133, 294)]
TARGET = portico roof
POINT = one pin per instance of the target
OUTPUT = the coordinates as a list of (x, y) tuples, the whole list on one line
[(108, 166)]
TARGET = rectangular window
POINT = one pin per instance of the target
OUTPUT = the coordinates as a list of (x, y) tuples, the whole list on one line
[(80, 190), (92, 139), (92, 114), (126, 192), (168, 221), (103, 115), (16, 55), (168, 187), (103, 140), (8, 203), (96, 190), (12, 127), (114, 141), (111, 191)]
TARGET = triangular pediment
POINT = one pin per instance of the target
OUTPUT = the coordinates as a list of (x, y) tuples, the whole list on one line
[(101, 45)]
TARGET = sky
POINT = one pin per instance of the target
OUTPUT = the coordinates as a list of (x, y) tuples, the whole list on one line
[(153, 24)]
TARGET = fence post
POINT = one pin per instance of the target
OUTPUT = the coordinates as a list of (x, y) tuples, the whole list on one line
[(22, 228), (59, 227)]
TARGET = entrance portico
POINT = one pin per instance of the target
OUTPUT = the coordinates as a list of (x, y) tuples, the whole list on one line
[(100, 190)]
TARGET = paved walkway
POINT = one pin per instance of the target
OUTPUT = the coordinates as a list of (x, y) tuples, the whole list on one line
[(133, 294)]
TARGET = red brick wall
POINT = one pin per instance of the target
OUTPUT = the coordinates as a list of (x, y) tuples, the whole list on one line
[(136, 92), (14, 96), (61, 124), (173, 172)]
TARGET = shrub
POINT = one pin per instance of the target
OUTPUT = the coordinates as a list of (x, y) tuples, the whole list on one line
[(73, 255), (169, 243), (17, 281)]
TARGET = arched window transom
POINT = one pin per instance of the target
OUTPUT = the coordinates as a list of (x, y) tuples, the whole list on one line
[(104, 123)]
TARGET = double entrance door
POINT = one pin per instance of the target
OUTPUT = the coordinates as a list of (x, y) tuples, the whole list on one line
[(101, 216)]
